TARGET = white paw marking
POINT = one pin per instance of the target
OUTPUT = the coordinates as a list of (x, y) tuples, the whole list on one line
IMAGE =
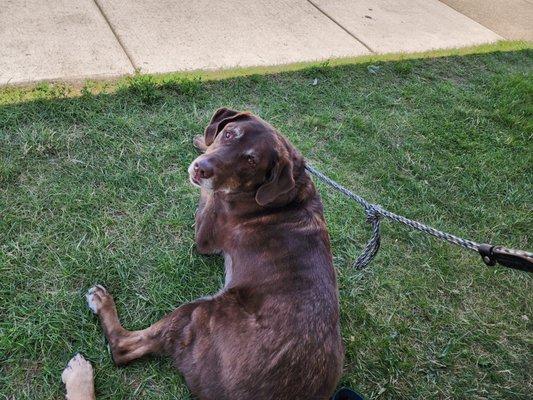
[(90, 298), (90, 301)]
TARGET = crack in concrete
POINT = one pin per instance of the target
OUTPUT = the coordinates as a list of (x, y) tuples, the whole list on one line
[(340, 26), (122, 45)]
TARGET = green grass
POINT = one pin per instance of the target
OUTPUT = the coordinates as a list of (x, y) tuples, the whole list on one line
[(93, 189)]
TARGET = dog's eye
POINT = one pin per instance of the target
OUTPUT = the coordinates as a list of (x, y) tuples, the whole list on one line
[(250, 159), (229, 134)]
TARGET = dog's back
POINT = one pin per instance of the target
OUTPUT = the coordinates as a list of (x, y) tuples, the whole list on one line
[(274, 334)]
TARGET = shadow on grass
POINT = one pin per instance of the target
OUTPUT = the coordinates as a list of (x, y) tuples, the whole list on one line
[(94, 188)]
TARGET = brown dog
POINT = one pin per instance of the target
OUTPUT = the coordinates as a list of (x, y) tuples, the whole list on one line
[(273, 331)]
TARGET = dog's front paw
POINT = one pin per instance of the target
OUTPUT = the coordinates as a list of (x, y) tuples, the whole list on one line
[(199, 143), (97, 297)]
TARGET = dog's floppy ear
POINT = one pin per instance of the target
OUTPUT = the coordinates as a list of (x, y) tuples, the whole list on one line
[(215, 125), (280, 182)]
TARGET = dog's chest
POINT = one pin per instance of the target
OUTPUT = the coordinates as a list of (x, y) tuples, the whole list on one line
[(228, 266)]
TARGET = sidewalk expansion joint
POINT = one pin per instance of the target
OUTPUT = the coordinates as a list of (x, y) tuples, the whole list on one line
[(115, 33), (472, 19), (340, 26)]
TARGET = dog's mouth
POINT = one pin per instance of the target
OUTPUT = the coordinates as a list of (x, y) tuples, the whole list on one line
[(199, 182), (195, 180), (194, 177)]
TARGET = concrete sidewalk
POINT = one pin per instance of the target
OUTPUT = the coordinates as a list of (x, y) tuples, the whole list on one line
[(512, 19), (89, 39)]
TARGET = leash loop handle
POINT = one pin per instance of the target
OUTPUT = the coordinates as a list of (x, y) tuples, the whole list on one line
[(372, 246), (517, 259)]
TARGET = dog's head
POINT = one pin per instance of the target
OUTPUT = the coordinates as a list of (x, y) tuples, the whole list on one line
[(244, 154)]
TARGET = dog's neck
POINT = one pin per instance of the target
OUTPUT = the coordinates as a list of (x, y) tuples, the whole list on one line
[(242, 208), (243, 203)]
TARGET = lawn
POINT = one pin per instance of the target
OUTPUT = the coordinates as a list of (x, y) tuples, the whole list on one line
[(94, 189)]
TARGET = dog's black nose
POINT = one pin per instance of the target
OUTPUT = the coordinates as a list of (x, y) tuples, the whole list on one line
[(204, 169)]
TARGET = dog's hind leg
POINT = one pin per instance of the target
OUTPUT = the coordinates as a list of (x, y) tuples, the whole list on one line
[(125, 345)]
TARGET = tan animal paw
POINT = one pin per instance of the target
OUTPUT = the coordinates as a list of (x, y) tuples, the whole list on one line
[(78, 379)]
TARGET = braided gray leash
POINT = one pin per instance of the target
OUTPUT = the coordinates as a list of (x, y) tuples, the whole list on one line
[(490, 254)]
